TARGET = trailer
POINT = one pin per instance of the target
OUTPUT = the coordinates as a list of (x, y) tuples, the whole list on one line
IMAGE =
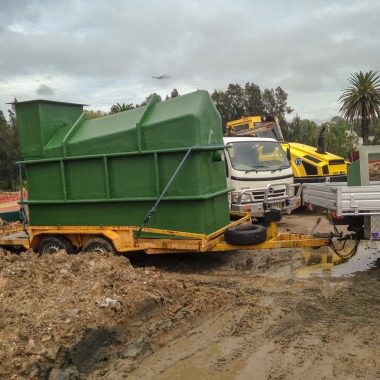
[(356, 206), (95, 185), (343, 199), (123, 239)]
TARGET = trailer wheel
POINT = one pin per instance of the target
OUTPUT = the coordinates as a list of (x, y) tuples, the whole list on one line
[(245, 234), (53, 244), (98, 245)]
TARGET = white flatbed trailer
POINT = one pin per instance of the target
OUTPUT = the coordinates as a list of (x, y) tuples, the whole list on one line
[(344, 200)]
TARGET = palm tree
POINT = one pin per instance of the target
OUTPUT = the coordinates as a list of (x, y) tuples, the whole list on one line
[(116, 108), (360, 102)]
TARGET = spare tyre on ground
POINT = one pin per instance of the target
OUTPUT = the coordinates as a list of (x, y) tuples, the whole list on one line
[(245, 234)]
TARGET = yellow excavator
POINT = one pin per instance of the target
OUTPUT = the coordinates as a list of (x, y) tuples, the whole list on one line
[(309, 164)]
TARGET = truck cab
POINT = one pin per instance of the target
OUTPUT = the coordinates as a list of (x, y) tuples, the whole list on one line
[(309, 164), (260, 175)]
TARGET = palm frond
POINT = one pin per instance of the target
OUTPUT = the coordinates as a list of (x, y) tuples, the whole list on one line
[(362, 97)]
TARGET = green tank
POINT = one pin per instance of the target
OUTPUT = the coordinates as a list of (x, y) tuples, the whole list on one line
[(110, 171)]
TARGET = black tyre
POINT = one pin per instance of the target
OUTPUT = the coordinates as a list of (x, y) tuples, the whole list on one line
[(245, 234), (272, 215), (98, 245), (53, 244)]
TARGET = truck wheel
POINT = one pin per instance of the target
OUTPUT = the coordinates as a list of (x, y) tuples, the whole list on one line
[(98, 245), (245, 234), (53, 244)]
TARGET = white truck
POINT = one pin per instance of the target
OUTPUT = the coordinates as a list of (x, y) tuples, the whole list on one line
[(260, 173)]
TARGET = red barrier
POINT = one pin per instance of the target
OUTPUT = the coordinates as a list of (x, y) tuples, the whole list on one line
[(11, 197)]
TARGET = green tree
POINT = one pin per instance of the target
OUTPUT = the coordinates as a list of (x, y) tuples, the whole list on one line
[(121, 107), (174, 93), (9, 151), (337, 120), (303, 131), (360, 101), (253, 100), (375, 130), (275, 102), (222, 104), (3, 151), (340, 140), (237, 102), (95, 114), (146, 101), (269, 101), (14, 144)]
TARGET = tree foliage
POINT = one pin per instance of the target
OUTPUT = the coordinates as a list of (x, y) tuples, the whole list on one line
[(9, 151), (302, 130), (340, 138), (374, 129), (95, 114), (237, 102), (360, 101), (173, 94), (121, 107)]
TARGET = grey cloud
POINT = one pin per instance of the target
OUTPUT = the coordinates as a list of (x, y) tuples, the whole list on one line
[(45, 90), (114, 47), (13, 12)]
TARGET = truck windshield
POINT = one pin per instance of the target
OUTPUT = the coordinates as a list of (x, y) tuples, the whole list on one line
[(274, 132), (257, 155)]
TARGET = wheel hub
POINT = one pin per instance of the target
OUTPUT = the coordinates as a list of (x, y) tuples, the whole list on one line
[(98, 248), (52, 248)]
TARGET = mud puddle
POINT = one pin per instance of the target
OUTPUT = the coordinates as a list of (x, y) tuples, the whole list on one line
[(276, 327), (279, 264), (366, 258)]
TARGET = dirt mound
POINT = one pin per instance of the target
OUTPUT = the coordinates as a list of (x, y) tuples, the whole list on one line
[(49, 301), (212, 316), (63, 314)]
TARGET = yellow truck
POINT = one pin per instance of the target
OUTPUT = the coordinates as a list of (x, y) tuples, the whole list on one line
[(309, 164)]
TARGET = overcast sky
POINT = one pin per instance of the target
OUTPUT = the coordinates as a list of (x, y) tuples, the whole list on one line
[(103, 52)]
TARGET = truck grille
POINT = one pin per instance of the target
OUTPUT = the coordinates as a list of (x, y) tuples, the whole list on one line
[(336, 162), (259, 195)]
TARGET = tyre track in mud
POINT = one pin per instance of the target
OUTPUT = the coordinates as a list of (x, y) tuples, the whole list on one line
[(274, 327), (217, 316)]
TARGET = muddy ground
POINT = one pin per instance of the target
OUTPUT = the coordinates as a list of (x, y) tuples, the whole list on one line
[(245, 315)]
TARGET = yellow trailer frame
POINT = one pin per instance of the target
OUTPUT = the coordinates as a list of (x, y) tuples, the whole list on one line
[(125, 239)]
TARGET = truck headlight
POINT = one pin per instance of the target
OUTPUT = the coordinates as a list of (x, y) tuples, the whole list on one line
[(246, 198), (291, 191)]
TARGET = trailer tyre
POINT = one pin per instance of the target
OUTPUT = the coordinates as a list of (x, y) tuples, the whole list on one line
[(53, 244), (245, 234), (98, 245)]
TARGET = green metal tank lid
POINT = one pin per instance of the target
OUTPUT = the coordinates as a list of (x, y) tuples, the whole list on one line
[(48, 102)]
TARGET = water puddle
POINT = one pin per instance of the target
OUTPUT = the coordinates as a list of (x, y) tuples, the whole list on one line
[(366, 257)]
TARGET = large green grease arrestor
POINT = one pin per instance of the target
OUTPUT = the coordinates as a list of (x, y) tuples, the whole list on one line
[(110, 171)]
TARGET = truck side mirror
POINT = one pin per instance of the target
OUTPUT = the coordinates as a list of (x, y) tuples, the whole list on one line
[(288, 155)]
